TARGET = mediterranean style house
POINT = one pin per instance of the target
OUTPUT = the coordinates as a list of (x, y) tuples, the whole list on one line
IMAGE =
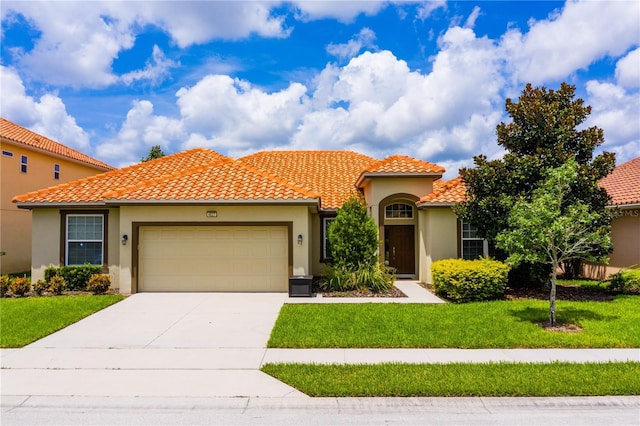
[(30, 161), (201, 221), (623, 185)]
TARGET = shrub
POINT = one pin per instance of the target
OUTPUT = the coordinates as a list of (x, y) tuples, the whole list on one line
[(353, 236), (627, 281), (40, 287), (57, 284), (463, 281), (4, 285), (76, 277), (99, 283), (375, 277), (20, 286)]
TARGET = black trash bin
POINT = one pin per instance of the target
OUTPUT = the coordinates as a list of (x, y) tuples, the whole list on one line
[(301, 286)]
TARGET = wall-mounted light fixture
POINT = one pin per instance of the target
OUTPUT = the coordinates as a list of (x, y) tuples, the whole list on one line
[(124, 239), (300, 239)]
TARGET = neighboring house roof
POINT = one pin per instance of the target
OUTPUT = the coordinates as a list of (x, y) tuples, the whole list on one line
[(623, 184), (330, 173), (16, 134), (195, 175), (446, 193)]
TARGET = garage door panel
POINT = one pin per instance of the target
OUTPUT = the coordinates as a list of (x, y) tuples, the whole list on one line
[(224, 258)]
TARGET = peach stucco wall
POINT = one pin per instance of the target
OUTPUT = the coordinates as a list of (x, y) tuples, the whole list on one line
[(15, 224)]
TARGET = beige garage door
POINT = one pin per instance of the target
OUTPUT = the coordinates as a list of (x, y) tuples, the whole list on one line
[(213, 258)]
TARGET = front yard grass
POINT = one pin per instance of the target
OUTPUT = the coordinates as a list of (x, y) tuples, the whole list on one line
[(25, 320), (498, 324), (497, 379)]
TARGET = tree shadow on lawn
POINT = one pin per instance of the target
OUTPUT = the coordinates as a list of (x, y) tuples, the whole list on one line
[(566, 315)]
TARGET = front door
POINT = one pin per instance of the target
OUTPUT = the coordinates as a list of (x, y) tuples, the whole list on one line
[(400, 246)]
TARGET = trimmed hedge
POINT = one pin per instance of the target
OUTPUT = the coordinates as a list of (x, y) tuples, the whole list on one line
[(462, 281), (627, 281), (76, 277)]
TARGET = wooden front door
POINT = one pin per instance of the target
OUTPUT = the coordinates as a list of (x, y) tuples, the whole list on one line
[(400, 243)]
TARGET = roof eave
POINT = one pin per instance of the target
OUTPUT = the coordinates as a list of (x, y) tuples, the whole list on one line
[(624, 206), (426, 204), (126, 202), (31, 205)]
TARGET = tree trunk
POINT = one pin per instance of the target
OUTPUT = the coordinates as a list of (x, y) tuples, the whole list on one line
[(552, 298)]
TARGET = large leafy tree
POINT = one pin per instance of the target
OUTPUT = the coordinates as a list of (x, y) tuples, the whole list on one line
[(544, 133), (154, 152), (546, 229)]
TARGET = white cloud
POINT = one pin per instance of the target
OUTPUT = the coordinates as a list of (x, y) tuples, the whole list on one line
[(80, 40), (155, 71), (140, 131), (364, 39), (628, 70), (582, 33), (471, 20), (47, 116), (343, 11), (428, 7), (616, 111)]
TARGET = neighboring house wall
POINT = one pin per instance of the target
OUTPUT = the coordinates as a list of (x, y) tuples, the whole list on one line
[(439, 238), (625, 236), (15, 224)]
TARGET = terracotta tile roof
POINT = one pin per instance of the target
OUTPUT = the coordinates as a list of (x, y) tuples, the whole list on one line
[(92, 190), (623, 184), (225, 180), (332, 174), (401, 164), (446, 192), (18, 134)]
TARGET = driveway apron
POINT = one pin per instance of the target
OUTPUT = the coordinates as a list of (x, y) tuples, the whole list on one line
[(155, 344)]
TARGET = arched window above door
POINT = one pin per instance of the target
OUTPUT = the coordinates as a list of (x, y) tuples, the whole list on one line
[(398, 211)]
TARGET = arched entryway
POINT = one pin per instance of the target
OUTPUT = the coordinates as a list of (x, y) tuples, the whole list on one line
[(399, 218)]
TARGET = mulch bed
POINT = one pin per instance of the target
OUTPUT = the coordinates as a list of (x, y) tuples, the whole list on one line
[(393, 292), (563, 292)]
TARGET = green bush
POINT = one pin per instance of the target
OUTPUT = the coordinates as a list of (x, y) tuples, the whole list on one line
[(76, 277), (463, 281), (353, 236), (40, 287), (20, 286), (57, 284), (375, 277), (4, 285), (627, 281), (99, 283)]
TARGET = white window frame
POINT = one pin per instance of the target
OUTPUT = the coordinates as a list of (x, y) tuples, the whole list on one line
[(485, 243), (326, 221), (24, 163), (68, 240), (386, 216), (56, 171)]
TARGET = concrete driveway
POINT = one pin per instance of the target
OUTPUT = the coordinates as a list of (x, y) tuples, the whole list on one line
[(155, 344)]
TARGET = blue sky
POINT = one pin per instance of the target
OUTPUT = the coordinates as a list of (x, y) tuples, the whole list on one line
[(425, 79)]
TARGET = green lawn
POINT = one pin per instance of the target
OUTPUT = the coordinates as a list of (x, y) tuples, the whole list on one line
[(25, 320), (498, 324), (405, 380)]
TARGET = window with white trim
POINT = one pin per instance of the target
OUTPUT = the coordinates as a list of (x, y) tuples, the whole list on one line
[(326, 247), (23, 163), (473, 246), (85, 239), (398, 211), (56, 171)]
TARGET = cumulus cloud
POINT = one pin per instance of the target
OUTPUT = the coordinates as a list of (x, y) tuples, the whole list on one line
[(628, 70), (47, 116), (364, 39), (343, 11), (141, 130), (550, 50), (156, 70), (428, 7), (80, 40)]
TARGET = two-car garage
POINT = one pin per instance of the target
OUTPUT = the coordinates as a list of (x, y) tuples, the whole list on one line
[(249, 258)]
